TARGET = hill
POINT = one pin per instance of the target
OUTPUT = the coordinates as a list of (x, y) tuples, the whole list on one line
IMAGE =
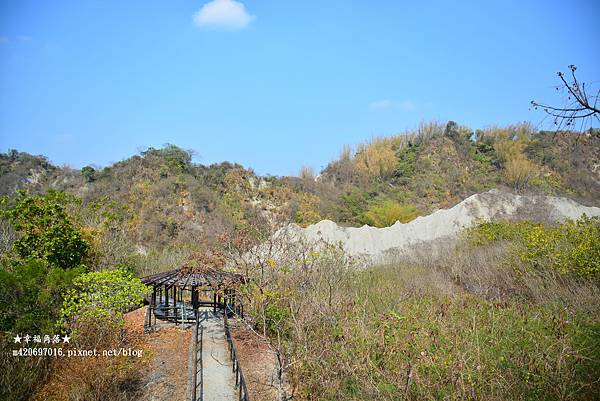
[(436, 166), (508, 311), (157, 208)]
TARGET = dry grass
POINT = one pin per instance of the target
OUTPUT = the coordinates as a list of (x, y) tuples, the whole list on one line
[(100, 378), (155, 375), (460, 323)]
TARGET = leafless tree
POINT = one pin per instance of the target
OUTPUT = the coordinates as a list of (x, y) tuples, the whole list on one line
[(581, 104)]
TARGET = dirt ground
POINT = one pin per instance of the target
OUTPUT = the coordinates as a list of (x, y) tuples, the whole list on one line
[(165, 371), (258, 364)]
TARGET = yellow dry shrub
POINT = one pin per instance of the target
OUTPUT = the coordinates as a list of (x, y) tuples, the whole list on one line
[(518, 171), (508, 149), (377, 158), (307, 173)]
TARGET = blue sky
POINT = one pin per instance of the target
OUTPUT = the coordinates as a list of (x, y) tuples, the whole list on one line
[(274, 85)]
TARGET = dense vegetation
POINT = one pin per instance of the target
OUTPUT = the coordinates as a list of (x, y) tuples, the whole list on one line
[(488, 318), (45, 289), (510, 312), (438, 166)]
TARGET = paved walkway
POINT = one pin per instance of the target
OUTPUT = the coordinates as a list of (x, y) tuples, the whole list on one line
[(219, 380)]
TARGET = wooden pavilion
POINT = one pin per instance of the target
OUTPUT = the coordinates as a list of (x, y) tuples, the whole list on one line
[(178, 294)]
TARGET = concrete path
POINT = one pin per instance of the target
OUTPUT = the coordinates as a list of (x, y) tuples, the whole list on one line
[(219, 379)]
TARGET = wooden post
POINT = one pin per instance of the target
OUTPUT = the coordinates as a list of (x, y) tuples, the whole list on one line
[(214, 302), (194, 305)]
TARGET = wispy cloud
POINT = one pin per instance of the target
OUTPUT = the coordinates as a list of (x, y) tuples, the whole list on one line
[(406, 105), (385, 104), (223, 14), (381, 104), (16, 39)]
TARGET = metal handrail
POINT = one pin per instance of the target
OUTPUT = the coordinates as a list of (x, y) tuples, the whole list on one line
[(198, 346), (201, 363), (240, 380)]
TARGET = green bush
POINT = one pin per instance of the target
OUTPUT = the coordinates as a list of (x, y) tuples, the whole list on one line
[(386, 213), (274, 319), (407, 162), (101, 296), (354, 204), (571, 248)]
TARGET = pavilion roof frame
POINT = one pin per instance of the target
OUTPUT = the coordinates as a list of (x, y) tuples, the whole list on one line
[(189, 277)]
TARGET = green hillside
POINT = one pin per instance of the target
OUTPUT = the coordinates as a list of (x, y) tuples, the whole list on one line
[(162, 199), (509, 312)]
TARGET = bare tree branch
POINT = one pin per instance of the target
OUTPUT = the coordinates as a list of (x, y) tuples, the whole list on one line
[(579, 106)]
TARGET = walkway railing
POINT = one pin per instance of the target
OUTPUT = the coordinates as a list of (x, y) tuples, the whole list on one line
[(240, 380), (198, 388)]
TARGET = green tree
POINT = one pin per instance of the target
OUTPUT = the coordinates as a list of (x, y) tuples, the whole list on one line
[(88, 172), (31, 295), (46, 230)]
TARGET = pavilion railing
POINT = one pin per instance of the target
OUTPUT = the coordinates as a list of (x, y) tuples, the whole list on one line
[(240, 380), (198, 388)]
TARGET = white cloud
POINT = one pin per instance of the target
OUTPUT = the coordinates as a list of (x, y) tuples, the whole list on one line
[(406, 105), (385, 104), (381, 104), (224, 14)]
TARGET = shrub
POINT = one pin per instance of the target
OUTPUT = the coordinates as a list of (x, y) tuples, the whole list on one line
[(30, 300), (407, 163), (386, 213), (308, 210), (354, 204), (101, 298), (389, 338), (274, 319), (307, 173), (519, 171), (572, 248), (30, 295), (378, 157)]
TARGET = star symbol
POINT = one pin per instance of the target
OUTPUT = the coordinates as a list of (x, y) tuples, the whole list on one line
[(66, 339), (18, 339)]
